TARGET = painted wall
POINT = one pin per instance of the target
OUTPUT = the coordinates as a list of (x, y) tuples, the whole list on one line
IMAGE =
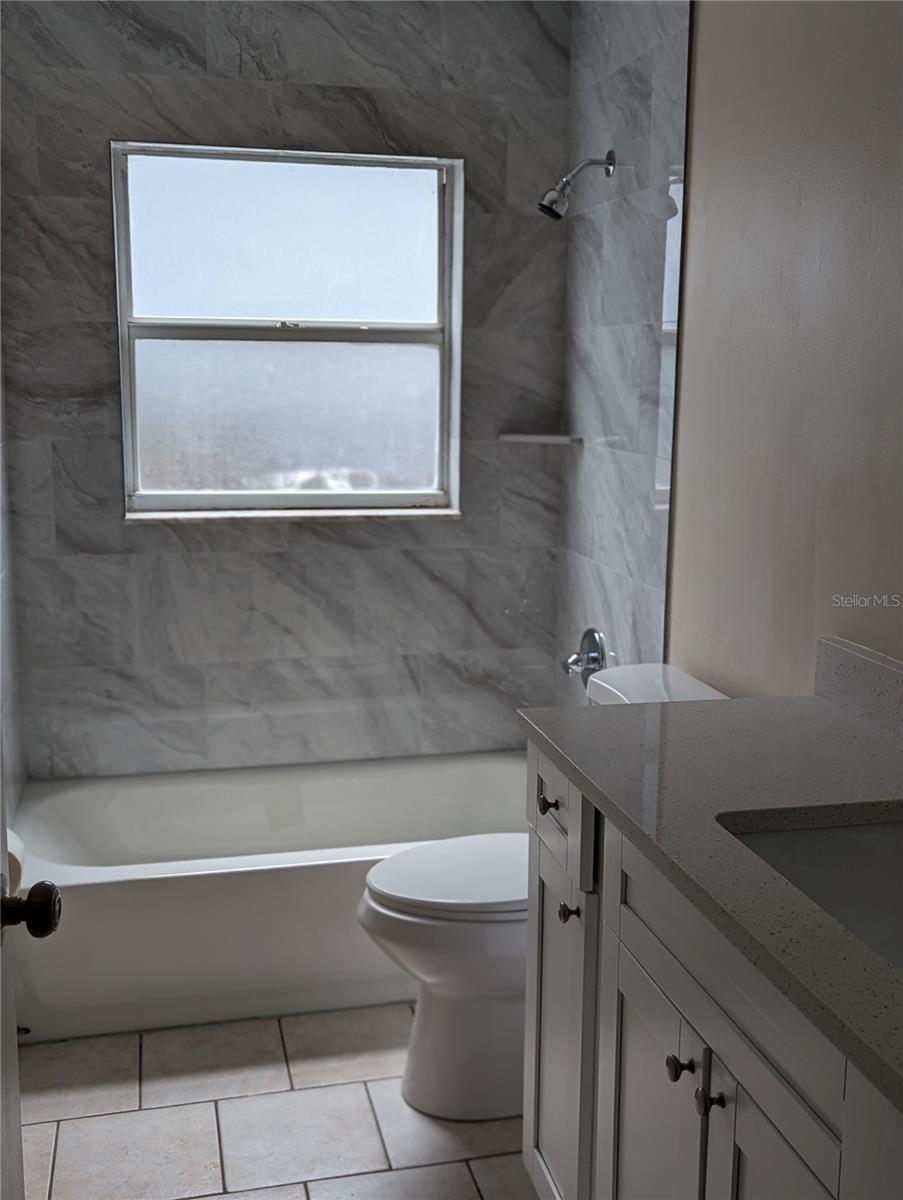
[(789, 464), (628, 91), (11, 761), (169, 647)]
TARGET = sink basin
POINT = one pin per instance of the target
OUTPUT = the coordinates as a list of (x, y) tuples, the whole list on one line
[(854, 872)]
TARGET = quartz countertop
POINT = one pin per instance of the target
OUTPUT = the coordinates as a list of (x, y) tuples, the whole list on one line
[(664, 773)]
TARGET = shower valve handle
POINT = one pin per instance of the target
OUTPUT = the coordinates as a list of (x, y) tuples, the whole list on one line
[(40, 910)]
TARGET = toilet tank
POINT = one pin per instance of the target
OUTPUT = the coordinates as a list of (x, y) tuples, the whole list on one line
[(647, 683)]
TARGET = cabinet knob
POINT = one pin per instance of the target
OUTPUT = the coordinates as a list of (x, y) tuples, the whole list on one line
[(565, 913), (674, 1068), (544, 804), (704, 1101)]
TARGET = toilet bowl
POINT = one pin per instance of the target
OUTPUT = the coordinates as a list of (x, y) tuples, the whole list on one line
[(453, 913)]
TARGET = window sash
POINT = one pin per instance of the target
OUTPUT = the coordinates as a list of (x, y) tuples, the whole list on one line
[(445, 333)]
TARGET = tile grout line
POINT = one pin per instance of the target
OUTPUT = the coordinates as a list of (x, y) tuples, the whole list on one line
[(379, 1131), (288, 1065), (476, 1184), (56, 1143), (219, 1144)]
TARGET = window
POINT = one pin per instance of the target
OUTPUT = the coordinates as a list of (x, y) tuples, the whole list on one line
[(289, 331)]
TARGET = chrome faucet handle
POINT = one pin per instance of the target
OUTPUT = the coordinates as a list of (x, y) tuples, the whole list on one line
[(590, 658)]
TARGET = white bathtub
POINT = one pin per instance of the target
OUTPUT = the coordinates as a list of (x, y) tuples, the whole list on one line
[(212, 895)]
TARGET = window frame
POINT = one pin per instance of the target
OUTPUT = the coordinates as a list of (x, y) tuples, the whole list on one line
[(445, 332)]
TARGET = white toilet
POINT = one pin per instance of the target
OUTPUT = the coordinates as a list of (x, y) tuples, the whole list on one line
[(453, 913)]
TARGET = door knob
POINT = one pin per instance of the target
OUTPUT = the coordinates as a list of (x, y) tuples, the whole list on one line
[(565, 912), (674, 1068), (704, 1101), (40, 910)]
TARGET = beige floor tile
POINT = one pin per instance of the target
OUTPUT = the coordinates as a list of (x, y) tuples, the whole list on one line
[(37, 1151), (503, 1178), (290, 1136), (208, 1062), (292, 1191), (160, 1154), (353, 1044), (449, 1182), (413, 1139), (79, 1078)]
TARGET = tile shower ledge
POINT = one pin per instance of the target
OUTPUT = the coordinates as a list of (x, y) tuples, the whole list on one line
[(664, 774)]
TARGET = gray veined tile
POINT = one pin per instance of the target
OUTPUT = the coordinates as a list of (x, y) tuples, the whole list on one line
[(337, 733), (415, 600), (290, 1136), (414, 1139), (537, 148), (367, 44), (57, 261), (89, 495), (613, 381), (450, 1181), (308, 601), (632, 28), (616, 260), (669, 104), (613, 114), (592, 594), (515, 283), (30, 476), (208, 1062), (510, 48), (159, 36), (38, 1143), (62, 747), (502, 1177), (512, 598), (348, 1045), (512, 382), (158, 1154), (78, 1078), (395, 121), (18, 134), (113, 692), (60, 364), (530, 493), (76, 612), (79, 112), (589, 46)]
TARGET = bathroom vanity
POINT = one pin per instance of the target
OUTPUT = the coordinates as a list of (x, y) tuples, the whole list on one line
[(698, 1023)]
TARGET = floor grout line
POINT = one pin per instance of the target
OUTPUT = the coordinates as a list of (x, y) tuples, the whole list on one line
[(379, 1130), (56, 1142), (288, 1065), (219, 1143), (476, 1184)]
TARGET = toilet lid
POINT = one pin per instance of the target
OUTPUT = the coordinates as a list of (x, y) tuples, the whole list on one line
[(485, 872)]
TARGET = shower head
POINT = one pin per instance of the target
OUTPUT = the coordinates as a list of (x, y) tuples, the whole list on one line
[(554, 202)]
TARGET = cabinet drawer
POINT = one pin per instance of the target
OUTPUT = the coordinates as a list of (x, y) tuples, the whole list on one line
[(562, 818)]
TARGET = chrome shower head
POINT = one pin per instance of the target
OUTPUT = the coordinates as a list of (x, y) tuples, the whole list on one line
[(554, 202)]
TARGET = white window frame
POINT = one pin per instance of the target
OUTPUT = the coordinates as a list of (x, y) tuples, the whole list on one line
[(445, 332)]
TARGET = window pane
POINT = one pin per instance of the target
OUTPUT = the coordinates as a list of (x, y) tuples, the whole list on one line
[(287, 416), (228, 238)]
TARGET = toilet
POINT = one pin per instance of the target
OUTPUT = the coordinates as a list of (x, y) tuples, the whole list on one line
[(453, 913)]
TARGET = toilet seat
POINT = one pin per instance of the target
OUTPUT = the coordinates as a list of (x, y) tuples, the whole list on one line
[(482, 877)]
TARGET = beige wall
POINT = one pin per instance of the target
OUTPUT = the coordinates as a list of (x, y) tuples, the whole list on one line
[(789, 458)]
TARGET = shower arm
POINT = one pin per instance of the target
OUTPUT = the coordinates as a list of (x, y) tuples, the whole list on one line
[(609, 162)]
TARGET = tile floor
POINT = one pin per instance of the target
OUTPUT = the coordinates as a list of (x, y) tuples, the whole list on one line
[(299, 1108)]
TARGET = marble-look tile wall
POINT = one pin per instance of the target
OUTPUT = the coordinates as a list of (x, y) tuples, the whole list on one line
[(181, 646), (628, 91), (11, 761)]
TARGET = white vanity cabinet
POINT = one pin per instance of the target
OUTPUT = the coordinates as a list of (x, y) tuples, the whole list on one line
[(661, 1064)]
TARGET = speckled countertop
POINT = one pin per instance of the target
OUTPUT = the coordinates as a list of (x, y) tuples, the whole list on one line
[(663, 773)]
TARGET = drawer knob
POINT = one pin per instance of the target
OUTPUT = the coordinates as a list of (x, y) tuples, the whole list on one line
[(545, 805), (565, 913), (704, 1101), (674, 1068)]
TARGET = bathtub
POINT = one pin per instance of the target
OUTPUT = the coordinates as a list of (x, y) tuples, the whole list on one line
[(214, 895)]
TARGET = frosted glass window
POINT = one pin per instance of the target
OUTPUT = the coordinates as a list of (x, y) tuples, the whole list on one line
[(290, 330), (294, 240), (325, 416)]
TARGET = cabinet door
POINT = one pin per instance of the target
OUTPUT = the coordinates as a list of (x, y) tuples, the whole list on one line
[(658, 1136), (563, 933), (747, 1158)]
